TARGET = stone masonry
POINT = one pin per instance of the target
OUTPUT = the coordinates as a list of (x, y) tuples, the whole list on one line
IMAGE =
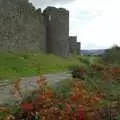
[(23, 28), (74, 45)]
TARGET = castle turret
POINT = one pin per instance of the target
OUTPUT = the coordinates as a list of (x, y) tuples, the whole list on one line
[(74, 45), (57, 26)]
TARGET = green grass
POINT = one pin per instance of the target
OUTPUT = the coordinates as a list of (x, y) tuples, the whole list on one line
[(13, 65)]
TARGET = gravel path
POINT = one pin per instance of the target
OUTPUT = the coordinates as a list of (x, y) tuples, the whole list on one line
[(30, 83)]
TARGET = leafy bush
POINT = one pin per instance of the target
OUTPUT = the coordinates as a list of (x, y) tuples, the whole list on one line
[(112, 55), (69, 100), (103, 72), (52, 104)]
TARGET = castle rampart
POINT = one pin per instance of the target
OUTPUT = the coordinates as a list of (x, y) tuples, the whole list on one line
[(74, 45), (57, 25), (23, 28)]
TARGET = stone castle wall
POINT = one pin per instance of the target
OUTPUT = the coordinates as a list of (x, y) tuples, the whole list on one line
[(57, 30), (23, 28), (74, 45)]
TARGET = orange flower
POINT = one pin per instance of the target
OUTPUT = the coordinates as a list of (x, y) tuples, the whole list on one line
[(74, 98), (49, 93), (26, 107), (81, 113), (67, 111)]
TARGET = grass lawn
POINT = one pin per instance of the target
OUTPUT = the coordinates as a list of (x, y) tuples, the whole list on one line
[(13, 65)]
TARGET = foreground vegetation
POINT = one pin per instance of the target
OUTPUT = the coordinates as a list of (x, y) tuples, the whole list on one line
[(112, 56), (92, 94), (13, 65)]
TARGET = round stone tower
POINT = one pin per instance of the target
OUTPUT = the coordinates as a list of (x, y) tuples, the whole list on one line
[(57, 29)]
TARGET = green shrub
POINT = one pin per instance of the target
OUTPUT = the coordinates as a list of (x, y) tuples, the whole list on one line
[(112, 55)]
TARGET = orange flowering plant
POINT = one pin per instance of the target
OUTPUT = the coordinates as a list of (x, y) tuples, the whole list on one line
[(67, 101)]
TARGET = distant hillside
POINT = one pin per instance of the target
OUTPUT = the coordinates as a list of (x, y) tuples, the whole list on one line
[(93, 52)]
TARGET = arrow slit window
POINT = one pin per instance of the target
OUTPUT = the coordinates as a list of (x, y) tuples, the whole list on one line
[(50, 17)]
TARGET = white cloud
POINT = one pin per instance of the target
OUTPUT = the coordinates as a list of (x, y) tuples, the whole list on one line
[(44, 3), (102, 31), (95, 22)]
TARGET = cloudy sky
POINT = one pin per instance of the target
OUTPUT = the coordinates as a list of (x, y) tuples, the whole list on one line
[(95, 22)]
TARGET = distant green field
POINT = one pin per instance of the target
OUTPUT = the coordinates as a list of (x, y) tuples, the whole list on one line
[(13, 65)]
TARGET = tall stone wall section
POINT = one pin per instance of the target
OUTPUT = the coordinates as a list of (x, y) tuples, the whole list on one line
[(57, 26), (74, 45), (78, 47), (22, 28)]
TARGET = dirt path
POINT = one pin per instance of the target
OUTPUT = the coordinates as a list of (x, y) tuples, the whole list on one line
[(29, 83)]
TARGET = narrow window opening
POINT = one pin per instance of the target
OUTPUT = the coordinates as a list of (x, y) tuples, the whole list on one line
[(50, 17)]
